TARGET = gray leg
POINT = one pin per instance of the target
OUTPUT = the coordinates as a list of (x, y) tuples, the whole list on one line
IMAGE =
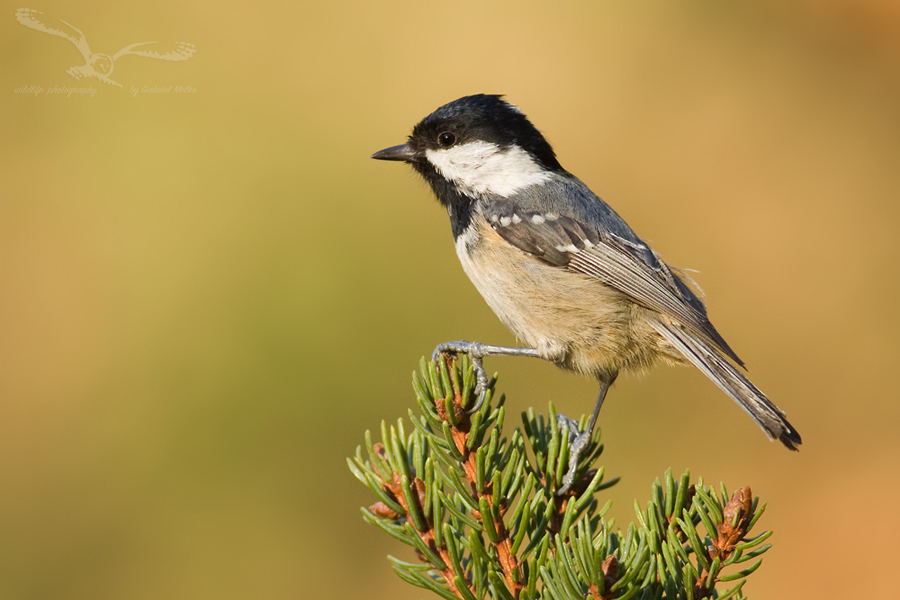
[(476, 352), (581, 439)]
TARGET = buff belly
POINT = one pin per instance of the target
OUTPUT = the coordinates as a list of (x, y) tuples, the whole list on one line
[(574, 320)]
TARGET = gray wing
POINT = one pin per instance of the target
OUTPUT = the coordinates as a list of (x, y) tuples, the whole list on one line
[(631, 267)]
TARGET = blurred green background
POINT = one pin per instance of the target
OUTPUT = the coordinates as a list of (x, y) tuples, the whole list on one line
[(206, 298)]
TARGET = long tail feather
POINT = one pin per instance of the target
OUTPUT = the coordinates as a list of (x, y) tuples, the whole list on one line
[(732, 382)]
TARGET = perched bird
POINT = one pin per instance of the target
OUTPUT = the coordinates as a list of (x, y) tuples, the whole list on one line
[(558, 266)]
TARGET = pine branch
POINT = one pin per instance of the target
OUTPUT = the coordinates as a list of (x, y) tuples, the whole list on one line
[(485, 518)]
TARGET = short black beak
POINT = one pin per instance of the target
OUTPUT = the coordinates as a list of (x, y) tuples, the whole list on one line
[(402, 152)]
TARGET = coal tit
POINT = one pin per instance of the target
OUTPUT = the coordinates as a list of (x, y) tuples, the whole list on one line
[(558, 266)]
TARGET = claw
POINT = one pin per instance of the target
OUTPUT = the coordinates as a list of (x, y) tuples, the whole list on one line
[(578, 441), (567, 424), (475, 352), (578, 446), (472, 349)]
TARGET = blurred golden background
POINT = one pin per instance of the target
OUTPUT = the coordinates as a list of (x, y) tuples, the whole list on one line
[(207, 297)]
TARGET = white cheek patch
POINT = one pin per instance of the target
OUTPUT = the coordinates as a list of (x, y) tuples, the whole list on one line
[(483, 168)]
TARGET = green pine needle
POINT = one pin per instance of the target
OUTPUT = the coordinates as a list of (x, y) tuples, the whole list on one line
[(478, 504)]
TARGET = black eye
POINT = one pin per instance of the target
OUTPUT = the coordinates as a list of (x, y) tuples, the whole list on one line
[(446, 139)]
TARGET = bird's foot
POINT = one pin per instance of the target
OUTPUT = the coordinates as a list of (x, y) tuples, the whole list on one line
[(578, 442), (475, 351), (566, 424)]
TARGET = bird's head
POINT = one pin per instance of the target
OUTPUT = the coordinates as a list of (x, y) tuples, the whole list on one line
[(475, 146), (101, 63)]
